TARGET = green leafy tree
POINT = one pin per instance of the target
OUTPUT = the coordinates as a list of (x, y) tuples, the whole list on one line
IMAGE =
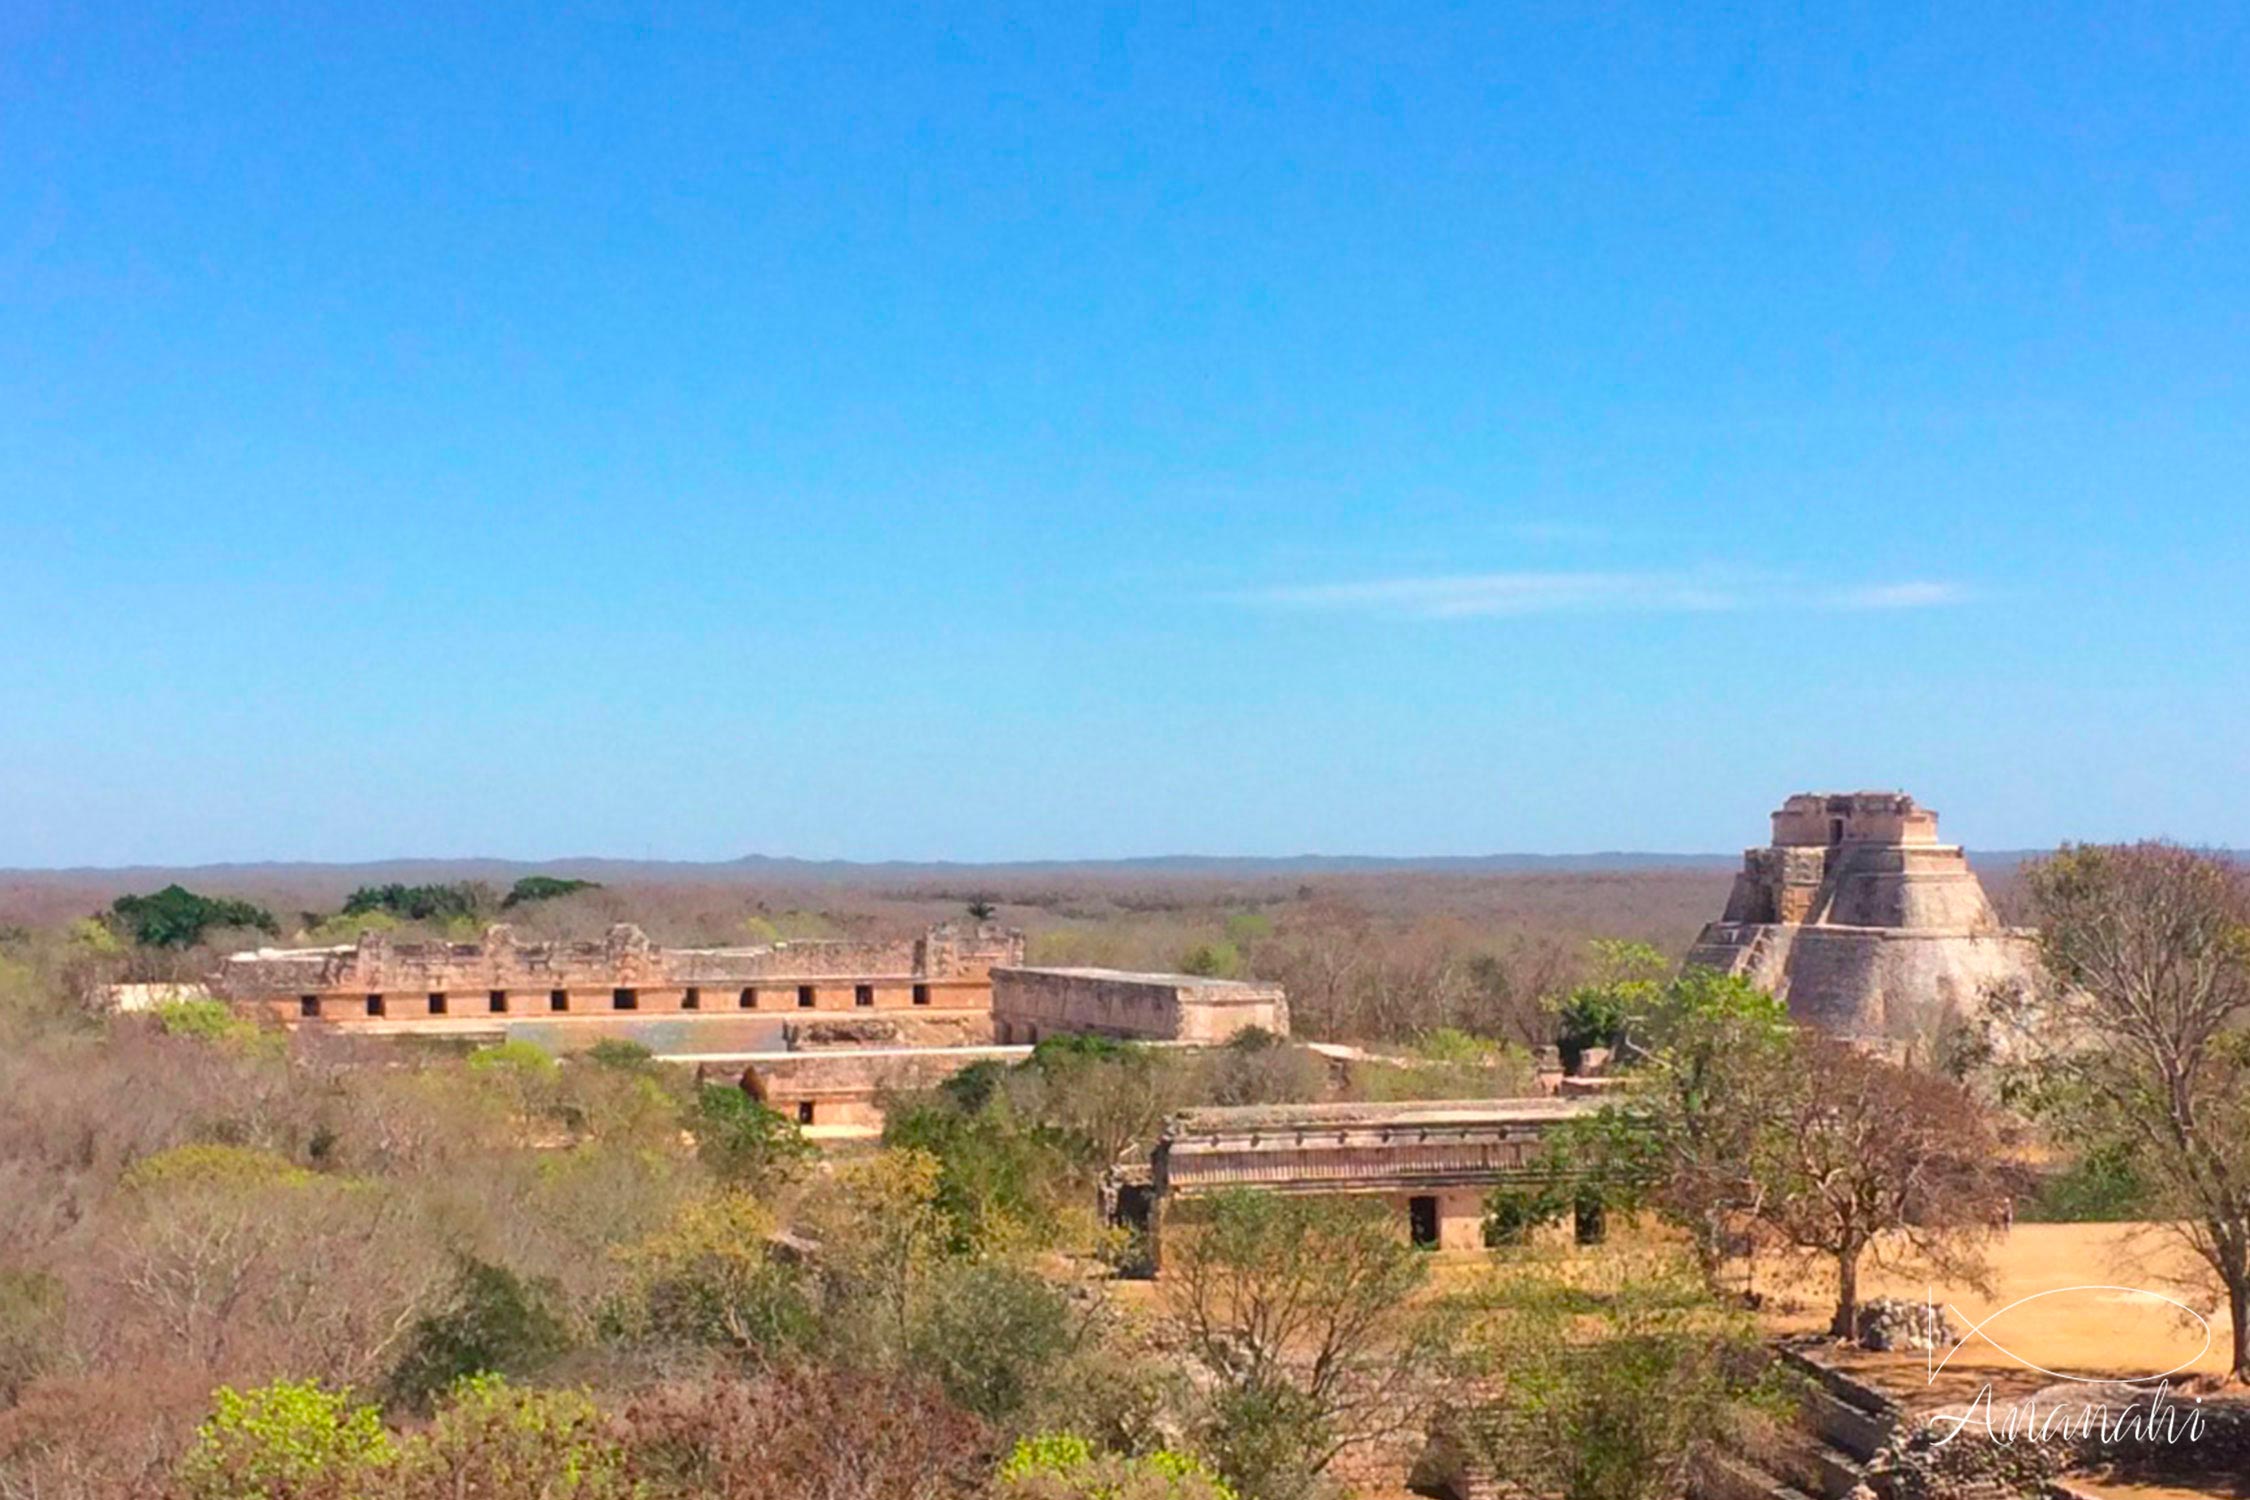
[(1108, 1099), (1628, 982), (1212, 960), (744, 1143), (176, 917), (543, 888), (524, 1073), (999, 1176), (709, 1277), (32, 1304), (624, 1056), (1247, 927), (1687, 1138), (1258, 1067), (94, 937), (204, 1020), (882, 1234), (1740, 1129), (988, 1332), (421, 903)]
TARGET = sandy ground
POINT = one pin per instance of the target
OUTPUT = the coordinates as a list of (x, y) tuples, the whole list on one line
[(2094, 1332), (2112, 1333), (2126, 1333), (2108, 1333)]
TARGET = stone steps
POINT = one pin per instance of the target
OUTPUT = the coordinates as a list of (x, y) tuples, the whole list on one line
[(1724, 1477), (1819, 1467), (1845, 1426)]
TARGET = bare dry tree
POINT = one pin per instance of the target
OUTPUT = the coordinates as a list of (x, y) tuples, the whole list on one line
[(1870, 1158), (2140, 1039), (1304, 1305)]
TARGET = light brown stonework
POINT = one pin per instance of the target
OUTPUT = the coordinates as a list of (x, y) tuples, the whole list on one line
[(377, 982), (1861, 921), (1028, 1004), (837, 1095), (1448, 1154)]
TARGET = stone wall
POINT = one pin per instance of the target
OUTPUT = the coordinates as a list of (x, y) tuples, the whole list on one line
[(1028, 1004), (839, 1093), (380, 980)]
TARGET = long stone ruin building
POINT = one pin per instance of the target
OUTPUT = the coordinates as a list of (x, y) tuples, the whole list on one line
[(1434, 1162), (1861, 921), (574, 993)]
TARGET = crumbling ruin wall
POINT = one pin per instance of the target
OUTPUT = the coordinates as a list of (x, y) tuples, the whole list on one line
[(1028, 1004), (840, 1092), (382, 980)]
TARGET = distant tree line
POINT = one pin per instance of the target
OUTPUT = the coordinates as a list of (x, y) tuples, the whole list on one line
[(177, 918), (466, 898)]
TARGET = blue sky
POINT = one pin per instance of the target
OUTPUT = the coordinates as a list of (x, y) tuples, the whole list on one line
[(909, 431)]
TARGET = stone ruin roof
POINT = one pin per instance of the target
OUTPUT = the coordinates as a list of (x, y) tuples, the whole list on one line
[(1347, 1116), (1332, 1148), (1200, 982)]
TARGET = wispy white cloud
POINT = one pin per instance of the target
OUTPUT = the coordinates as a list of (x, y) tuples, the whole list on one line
[(1917, 594), (1478, 595)]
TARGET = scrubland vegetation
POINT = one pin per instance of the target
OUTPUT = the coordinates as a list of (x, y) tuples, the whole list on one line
[(1364, 957), (237, 1261)]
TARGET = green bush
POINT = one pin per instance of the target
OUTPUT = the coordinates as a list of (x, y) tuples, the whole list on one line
[(31, 1328), (204, 1020), (987, 1333), (616, 1052), (543, 888), (1063, 1466), (1246, 927), (493, 1322), (1212, 961), (291, 1440), (500, 1442), (2101, 1187), (999, 1176), (515, 1057)]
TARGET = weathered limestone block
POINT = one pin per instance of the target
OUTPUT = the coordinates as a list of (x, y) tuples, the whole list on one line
[(1028, 1004)]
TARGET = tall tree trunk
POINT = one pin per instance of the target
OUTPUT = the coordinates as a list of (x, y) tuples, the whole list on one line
[(1847, 1293), (2238, 1311)]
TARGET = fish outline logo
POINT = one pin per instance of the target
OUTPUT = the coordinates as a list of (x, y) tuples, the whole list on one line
[(1977, 1330)]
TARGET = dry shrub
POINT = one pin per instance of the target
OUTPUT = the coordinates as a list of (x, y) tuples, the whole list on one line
[(808, 1431), (99, 1437)]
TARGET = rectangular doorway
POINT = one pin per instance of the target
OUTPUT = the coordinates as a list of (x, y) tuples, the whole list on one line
[(1422, 1222)]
